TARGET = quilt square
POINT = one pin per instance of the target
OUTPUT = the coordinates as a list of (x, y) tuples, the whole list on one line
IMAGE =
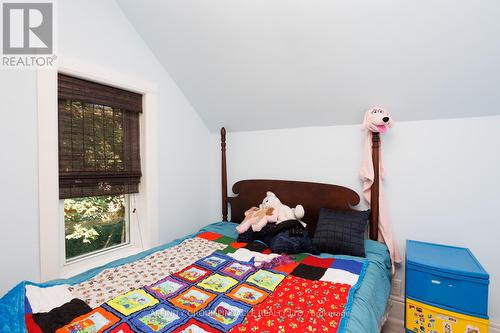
[(288, 268), (248, 294), (352, 266), (166, 287), (225, 313), (27, 306), (298, 305), (299, 257), (192, 273), (238, 245), (308, 272), (31, 325), (228, 249), (218, 283), (132, 302), (122, 328), (159, 319), (237, 270), (265, 279), (225, 240), (318, 262), (340, 276), (95, 321), (213, 261), (194, 326), (211, 236), (193, 299)]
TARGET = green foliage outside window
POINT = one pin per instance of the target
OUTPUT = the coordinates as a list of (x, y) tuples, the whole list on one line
[(94, 223)]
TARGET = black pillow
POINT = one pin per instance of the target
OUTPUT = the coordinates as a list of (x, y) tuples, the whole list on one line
[(341, 232)]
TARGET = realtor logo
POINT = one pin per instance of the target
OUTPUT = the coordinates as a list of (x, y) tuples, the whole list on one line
[(27, 29)]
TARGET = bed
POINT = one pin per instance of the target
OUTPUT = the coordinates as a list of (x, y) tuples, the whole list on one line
[(197, 283)]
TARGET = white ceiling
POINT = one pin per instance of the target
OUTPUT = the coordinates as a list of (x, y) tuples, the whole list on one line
[(262, 64)]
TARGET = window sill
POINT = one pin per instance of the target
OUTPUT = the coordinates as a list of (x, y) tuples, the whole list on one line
[(84, 264)]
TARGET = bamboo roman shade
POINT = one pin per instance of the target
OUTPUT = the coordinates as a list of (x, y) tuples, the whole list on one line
[(99, 140)]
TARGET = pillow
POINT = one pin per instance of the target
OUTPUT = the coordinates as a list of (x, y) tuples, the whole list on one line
[(341, 232)]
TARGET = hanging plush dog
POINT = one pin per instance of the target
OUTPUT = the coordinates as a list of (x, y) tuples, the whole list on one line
[(378, 120)]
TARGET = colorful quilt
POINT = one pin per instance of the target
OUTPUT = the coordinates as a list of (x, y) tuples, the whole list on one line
[(116, 281), (220, 294)]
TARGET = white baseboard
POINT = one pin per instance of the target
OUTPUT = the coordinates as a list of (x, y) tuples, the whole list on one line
[(395, 321)]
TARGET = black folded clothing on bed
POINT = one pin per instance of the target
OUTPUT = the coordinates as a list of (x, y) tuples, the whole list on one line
[(286, 237), (61, 316)]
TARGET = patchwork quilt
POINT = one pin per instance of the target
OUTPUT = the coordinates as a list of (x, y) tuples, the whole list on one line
[(116, 281), (217, 293)]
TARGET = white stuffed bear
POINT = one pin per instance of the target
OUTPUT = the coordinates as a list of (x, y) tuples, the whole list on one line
[(284, 212)]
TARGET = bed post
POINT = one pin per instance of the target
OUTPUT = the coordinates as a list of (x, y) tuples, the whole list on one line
[(223, 173), (374, 201)]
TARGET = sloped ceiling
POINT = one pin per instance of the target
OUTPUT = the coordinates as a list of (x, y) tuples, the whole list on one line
[(264, 64)]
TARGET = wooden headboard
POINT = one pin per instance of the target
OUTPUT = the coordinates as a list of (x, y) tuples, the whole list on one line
[(313, 196)]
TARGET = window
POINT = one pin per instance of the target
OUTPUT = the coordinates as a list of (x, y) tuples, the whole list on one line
[(95, 224), (99, 164), (144, 205)]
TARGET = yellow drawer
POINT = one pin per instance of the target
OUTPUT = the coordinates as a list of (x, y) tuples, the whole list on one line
[(423, 318)]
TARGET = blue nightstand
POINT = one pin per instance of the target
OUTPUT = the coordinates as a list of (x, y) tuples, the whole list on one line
[(446, 290)]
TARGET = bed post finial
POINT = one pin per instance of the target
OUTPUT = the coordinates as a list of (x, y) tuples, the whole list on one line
[(374, 206), (223, 173)]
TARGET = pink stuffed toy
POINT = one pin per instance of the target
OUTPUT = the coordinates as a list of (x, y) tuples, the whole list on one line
[(377, 120), (257, 218)]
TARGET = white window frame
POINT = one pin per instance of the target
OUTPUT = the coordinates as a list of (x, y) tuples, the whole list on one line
[(52, 257)]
